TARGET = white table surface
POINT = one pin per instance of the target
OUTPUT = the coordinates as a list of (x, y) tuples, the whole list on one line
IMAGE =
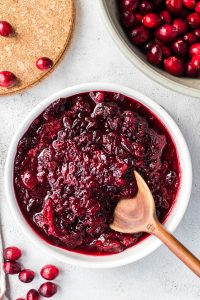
[(93, 56)]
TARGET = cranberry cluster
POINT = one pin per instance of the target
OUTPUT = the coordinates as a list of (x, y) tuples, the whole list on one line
[(76, 162), (167, 31), (48, 272), (7, 78)]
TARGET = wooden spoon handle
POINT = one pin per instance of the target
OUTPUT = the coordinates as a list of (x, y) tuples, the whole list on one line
[(177, 248)]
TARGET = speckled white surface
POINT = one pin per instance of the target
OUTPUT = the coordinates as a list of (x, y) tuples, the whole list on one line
[(94, 57)]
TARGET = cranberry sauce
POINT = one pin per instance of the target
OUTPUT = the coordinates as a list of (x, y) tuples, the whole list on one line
[(76, 161)]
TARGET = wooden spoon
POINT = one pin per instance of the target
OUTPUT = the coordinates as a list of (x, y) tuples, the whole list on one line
[(138, 214)]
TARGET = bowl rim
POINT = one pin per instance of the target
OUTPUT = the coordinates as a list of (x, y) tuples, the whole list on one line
[(146, 69), (146, 246)]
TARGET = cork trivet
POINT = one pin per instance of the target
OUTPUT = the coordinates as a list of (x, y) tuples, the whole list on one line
[(42, 28)]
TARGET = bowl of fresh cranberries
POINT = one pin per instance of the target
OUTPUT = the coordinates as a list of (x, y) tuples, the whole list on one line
[(160, 37), (73, 158)]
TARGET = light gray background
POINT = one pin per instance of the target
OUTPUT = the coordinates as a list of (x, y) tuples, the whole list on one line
[(93, 56)]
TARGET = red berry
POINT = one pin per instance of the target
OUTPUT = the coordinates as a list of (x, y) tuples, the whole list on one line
[(166, 51), (190, 70), (166, 33), (189, 3), (44, 63), (26, 275), (154, 55), (179, 47), (197, 7), (139, 35), (194, 49), (12, 253), (129, 4), (189, 38), (7, 79), (174, 66), (193, 20), (165, 17), (196, 32), (174, 6), (48, 289), (196, 62), (181, 26), (49, 272), (151, 20), (146, 7), (5, 28), (139, 18), (32, 295), (11, 267), (128, 18)]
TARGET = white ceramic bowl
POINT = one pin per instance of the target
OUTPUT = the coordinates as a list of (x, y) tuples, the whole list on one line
[(146, 246), (109, 11)]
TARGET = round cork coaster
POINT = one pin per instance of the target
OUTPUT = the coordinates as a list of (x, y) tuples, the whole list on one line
[(42, 28)]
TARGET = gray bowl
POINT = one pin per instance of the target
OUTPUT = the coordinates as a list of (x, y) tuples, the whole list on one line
[(188, 86)]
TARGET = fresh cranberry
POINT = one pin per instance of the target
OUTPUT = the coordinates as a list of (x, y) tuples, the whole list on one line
[(129, 4), (146, 7), (174, 66), (148, 46), (49, 272), (165, 17), (151, 20), (190, 70), (197, 7), (189, 38), (193, 20), (5, 28), (174, 6), (196, 32), (44, 63), (7, 79), (181, 26), (154, 55), (194, 49), (26, 275), (166, 33), (166, 51), (196, 62), (139, 35), (189, 3), (128, 18), (32, 295), (179, 47), (11, 267), (12, 253), (48, 289), (139, 18)]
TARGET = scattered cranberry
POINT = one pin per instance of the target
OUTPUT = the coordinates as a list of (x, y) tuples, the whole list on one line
[(32, 295), (194, 49), (5, 28), (174, 66), (26, 275), (196, 62), (49, 272), (11, 267), (48, 289), (7, 79), (154, 55), (151, 20), (44, 63), (179, 47), (12, 253)]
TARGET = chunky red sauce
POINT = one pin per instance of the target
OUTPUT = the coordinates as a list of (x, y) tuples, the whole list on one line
[(76, 161)]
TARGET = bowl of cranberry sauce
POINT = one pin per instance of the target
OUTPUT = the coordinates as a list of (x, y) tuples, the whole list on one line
[(160, 37), (72, 160)]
